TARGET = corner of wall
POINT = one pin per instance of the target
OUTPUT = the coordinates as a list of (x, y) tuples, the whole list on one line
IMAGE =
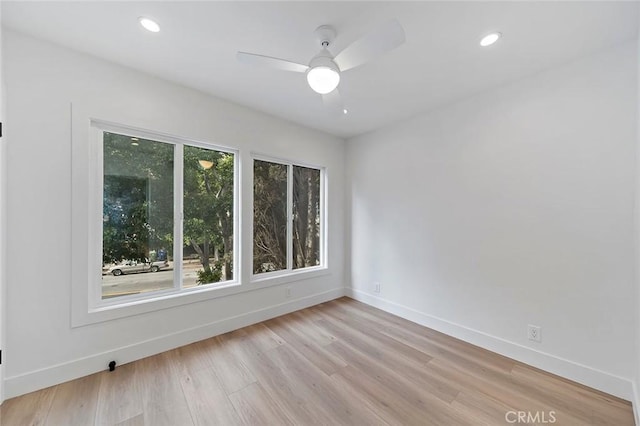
[(347, 220), (636, 216), (634, 403), (3, 180)]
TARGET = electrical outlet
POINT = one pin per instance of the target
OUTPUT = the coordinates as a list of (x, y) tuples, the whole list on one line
[(534, 333), (287, 292), (376, 287)]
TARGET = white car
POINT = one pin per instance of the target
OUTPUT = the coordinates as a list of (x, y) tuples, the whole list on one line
[(135, 267)]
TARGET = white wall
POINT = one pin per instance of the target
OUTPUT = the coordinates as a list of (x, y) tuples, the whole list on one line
[(42, 80), (636, 217), (510, 208)]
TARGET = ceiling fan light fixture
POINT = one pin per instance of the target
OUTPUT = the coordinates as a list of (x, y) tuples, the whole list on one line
[(323, 80), (323, 74)]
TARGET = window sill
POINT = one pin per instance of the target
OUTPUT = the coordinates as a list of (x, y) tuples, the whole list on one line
[(171, 300), (159, 296)]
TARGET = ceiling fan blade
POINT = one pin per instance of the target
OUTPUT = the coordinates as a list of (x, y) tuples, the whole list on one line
[(379, 41), (268, 61), (333, 102)]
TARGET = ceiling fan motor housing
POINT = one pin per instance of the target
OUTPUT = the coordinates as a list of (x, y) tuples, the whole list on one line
[(324, 59), (325, 35)]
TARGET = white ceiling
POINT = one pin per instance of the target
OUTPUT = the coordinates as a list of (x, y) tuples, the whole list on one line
[(440, 62)]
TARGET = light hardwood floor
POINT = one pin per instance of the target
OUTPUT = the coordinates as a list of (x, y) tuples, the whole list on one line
[(341, 362)]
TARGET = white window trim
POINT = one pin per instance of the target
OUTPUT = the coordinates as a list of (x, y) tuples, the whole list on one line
[(86, 240), (290, 274), (98, 127)]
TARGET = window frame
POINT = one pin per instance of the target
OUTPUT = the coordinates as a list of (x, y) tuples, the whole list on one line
[(290, 271)]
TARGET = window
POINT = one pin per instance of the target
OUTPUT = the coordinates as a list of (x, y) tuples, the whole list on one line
[(137, 228), (287, 217), (208, 216), (146, 185)]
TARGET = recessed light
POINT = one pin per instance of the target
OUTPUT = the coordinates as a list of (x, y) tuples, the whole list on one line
[(489, 39), (345, 111), (149, 24)]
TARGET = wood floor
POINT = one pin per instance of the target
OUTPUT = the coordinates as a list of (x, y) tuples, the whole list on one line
[(341, 362)]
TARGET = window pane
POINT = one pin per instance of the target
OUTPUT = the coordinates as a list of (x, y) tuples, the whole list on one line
[(208, 217), (306, 217), (269, 216), (137, 228)]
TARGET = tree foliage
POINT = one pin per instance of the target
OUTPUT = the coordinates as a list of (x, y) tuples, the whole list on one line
[(269, 216), (306, 217), (138, 208), (208, 207)]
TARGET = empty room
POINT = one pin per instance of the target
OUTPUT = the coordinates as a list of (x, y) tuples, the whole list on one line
[(319, 213)]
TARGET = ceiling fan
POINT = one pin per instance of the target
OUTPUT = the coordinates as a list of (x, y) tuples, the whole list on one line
[(324, 69)]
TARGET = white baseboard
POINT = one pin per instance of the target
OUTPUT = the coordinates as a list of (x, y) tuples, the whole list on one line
[(40, 379), (605, 382)]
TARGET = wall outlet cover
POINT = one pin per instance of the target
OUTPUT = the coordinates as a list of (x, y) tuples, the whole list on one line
[(534, 333)]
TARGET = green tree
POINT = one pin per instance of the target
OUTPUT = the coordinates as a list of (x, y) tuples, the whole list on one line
[(208, 209), (138, 202)]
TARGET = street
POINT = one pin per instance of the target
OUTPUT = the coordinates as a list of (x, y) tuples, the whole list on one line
[(147, 281)]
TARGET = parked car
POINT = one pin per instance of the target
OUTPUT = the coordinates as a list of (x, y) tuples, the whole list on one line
[(135, 267)]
